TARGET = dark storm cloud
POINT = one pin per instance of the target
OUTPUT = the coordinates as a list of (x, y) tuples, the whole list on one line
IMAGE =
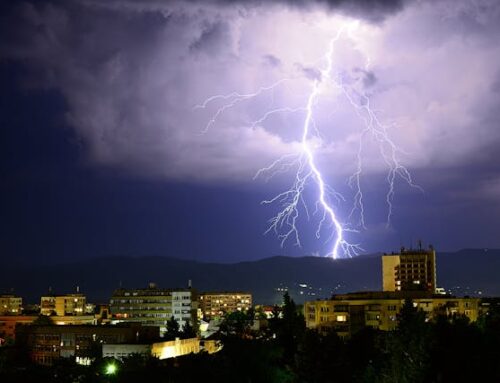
[(372, 10), (271, 60), (309, 72), (131, 72), (214, 38)]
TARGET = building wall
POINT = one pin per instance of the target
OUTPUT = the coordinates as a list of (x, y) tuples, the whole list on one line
[(8, 324), (45, 344), (152, 306), (409, 270), (218, 304), (63, 305), (389, 264), (211, 346), (175, 348), (10, 305), (347, 316), (182, 307), (73, 320), (47, 305), (121, 351), (71, 304), (160, 350)]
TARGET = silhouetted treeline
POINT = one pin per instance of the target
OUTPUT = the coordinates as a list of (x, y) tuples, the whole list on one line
[(444, 350)]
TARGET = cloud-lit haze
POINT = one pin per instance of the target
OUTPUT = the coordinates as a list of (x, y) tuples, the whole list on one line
[(122, 79)]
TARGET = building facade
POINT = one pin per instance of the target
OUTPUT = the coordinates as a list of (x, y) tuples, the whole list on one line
[(64, 305), (10, 305), (45, 344), (217, 304), (161, 350), (410, 270), (8, 325), (153, 306), (348, 313)]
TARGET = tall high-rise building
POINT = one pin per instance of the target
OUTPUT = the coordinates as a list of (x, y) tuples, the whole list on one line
[(153, 306), (410, 270)]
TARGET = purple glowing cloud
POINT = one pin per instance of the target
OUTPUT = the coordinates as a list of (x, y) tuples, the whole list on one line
[(131, 75)]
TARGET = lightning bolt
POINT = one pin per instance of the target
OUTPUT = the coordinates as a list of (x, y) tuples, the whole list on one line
[(285, 223)]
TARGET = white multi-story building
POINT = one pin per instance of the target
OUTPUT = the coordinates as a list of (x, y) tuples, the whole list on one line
[(152, 306)]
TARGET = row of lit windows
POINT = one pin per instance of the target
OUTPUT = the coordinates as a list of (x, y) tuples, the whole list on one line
[(159, 293)]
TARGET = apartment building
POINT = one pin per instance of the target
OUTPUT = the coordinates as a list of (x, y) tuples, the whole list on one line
[(217, 304), (10, 305), (153, 306), (409, 270), (348, 313)]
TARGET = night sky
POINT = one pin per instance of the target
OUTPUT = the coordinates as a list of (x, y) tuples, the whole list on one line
[(103, 151)]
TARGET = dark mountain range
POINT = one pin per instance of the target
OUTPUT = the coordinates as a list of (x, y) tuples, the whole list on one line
[(466, 272)]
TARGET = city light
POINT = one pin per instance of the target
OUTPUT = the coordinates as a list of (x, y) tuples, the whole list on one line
[(110, 369)]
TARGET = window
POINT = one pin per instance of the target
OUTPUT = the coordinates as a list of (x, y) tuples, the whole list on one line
[(341, 308), (372, 317)]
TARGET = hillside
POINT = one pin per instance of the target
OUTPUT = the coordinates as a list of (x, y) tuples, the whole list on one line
[(465, 272)]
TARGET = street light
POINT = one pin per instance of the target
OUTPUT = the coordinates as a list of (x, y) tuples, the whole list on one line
[(110, 369)]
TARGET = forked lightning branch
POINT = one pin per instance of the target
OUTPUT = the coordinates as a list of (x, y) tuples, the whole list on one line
[(303, 167)]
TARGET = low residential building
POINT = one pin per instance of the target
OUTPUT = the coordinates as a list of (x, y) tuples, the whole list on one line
[(73, 320), (122, 351), (45, 344), (217, 304), (8, 325), (348, 313), (161, 350), (268, 311), (153, 306), (64, 305), (10, 305), (175, 348)]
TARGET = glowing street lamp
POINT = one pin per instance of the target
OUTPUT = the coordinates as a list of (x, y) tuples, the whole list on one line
[(110, 369)]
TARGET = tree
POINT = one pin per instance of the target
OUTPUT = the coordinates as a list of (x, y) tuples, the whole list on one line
[(43, 320), (289, 329), (408, 347), (188, 331), (172, 328), (236, 323)]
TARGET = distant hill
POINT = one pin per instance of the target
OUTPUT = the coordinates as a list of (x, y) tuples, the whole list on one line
[(465, 272)]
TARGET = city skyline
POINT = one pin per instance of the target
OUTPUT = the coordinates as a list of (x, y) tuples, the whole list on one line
[(104, 152)]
